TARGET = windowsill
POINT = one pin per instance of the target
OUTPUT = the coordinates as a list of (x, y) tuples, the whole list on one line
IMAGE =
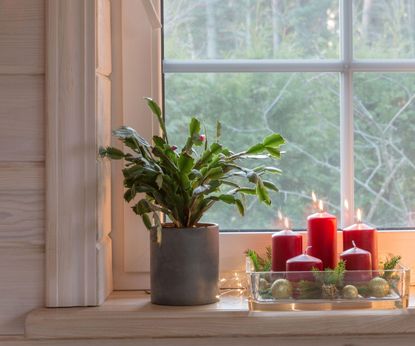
[(129, 314)]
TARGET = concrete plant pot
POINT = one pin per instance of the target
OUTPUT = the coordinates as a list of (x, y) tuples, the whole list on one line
[(185, 266)]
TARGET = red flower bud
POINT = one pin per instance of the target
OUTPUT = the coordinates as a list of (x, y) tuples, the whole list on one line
[(202, 138), (173, 147)]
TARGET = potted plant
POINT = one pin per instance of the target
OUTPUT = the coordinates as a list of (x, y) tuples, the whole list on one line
[(183, 184)]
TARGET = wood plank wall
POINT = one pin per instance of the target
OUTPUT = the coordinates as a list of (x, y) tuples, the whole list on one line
[(22, 155)]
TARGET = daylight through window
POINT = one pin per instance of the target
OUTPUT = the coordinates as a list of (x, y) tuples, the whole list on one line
[(335, 78)]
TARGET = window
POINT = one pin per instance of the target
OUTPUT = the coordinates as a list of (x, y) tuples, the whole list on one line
[(335, 78)]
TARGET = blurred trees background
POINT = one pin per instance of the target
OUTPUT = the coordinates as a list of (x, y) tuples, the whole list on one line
[(303, 107)]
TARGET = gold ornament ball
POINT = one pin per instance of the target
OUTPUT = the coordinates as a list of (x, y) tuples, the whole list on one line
[(263, 284), (350, 292), (281, 289), (379, 287)]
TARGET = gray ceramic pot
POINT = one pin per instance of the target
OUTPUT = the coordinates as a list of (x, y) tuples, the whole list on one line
[(185, 266)]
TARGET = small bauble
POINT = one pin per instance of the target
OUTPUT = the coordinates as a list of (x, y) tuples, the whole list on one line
[(281, 289), (350, 292), (263, 284), (329, 291), (378, 287)]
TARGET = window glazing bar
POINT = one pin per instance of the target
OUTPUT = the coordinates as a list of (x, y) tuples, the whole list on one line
[(346, 115), (239, 65)]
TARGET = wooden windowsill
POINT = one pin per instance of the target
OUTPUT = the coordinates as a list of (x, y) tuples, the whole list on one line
[(131, 315)]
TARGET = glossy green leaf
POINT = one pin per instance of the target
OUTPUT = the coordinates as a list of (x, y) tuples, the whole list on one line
[(256, 149), (274, 141)]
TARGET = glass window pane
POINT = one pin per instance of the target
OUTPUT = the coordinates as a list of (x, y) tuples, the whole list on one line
[(251, 29), (303, 107), (384, 29), (385, 148)]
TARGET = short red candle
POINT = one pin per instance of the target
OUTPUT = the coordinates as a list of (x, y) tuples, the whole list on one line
[(357, 259), (302, 262), (322, 237), (285, 245)]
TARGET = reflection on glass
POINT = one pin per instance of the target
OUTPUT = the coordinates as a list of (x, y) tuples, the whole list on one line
[(384, 29), (384, 112), (251, 29), (303, 107)]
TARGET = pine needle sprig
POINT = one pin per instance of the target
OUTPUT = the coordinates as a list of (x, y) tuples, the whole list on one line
[(261, 263), (389, 265), (331, 276)]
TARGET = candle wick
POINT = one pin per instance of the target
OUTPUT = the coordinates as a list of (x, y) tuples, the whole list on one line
[(306, 250), (354, 244)]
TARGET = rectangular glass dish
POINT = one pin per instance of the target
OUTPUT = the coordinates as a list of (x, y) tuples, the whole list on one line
[(326, 290)]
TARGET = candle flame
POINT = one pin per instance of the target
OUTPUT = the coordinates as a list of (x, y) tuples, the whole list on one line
[(313, 196), (286, 223), (320, 205), (359, 215), (346, 204), (280, 215)]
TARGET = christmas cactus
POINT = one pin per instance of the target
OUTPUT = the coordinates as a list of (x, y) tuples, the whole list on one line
[(184, 183)]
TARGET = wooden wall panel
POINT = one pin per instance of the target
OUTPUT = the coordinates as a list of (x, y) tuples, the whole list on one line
[(21, 285), (22, 36), (22, 171), (22, 118), (22, 218)]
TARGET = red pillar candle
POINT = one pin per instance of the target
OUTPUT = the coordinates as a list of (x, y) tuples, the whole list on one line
[(360, 260), (365, 237), (285, 244), (322, 237), (302, 263)]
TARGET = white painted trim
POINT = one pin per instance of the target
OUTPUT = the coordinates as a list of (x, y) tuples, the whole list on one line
[(346, 115), (77, 250)]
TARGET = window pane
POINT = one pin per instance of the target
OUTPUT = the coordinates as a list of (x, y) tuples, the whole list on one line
[(384, 28), (385, 147), (303, 107), (251, 29)]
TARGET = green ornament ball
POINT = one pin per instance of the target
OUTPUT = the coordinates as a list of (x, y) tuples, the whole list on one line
[(350, 292), (281, 289), (379, 287)]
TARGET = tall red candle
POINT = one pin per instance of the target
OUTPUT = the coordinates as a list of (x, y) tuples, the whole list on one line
[(364, 236), (300, 263), (322, 237), (360, 260), (285, 244)]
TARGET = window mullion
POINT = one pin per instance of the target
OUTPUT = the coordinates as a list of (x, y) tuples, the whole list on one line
[(346, 114)]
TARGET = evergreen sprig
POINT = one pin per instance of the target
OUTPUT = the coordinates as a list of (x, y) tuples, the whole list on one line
[(261, 263), (389, 265), (183, 184), (331, 276)]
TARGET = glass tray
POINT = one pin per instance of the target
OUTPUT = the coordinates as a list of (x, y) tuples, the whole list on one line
[(302, 291)]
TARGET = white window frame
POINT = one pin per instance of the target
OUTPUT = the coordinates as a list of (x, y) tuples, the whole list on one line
[(130, 239)]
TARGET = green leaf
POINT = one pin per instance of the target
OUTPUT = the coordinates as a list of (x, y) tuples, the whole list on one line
[(112, 153), (274, 152), (262, 192), (185, 163), (270, 185), (129, 194), (146, 221), (142, 207), (214, 173), (256, 149), (240, 207), (153, 106), (273, 170), (273, 141), (247, 191), (194, 127), (229, 199), (158, 141)]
